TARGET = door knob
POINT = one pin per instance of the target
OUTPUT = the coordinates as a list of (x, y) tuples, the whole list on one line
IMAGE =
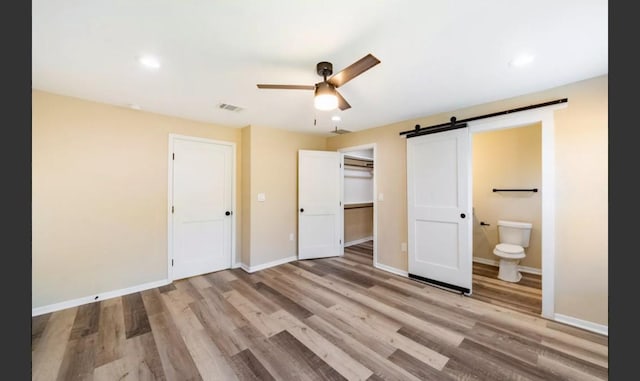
[(228, 213), (301, 210), (462, 215)]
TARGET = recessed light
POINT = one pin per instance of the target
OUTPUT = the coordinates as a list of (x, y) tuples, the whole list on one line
[(336, 118), (149, 62), (521, 60)]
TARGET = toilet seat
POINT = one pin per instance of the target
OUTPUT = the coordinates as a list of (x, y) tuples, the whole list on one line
[(507, 250)]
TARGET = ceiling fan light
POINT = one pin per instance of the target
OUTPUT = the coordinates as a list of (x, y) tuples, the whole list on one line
[(325, 102), (325, 97)]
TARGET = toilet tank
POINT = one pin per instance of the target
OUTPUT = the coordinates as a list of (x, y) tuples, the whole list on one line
[(515, 233)]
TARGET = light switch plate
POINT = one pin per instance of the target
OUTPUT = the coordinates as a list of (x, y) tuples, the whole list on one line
[(261, 197)]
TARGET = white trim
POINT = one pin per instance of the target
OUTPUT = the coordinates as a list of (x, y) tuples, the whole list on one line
[(234, 208), (92, 298), (584, 324), (169, 205), (375, 194), (358, 241), (390, 269), (543, 115), (172, 137), (237, 265), (524, 269), (548, 231), (277, 262)]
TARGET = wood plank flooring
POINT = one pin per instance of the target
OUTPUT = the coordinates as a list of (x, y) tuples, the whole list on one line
[(524, 296), (323, 319)]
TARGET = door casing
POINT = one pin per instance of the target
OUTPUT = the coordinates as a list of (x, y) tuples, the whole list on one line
[(375, 196), (544, 116)]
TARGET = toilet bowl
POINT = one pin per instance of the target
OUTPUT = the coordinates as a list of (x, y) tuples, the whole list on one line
[(513, 238), (510, 255)]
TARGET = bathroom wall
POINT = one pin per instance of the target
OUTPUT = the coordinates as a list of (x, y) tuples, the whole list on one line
[(508, 158)]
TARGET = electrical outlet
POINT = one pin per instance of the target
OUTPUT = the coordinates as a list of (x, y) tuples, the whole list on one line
[(261, 197), (403, 246), (381, 197), (290, 236)]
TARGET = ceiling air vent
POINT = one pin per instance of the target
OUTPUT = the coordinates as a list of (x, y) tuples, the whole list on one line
[(340, 131), (226, 106)]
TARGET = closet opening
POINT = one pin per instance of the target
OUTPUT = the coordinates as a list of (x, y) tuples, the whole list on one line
[(359, 205)]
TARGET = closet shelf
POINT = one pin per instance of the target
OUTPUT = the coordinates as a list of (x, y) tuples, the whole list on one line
[(356, 205), (357, 157), (357, 166)]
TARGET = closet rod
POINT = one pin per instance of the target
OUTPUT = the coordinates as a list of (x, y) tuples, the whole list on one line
[(358, 207), (515, 190), (420, 130)]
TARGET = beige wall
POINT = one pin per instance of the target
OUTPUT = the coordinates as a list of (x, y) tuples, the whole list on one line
[(509, 158), (391, 180), (358, 223), (581, 195), (99, 195), (582, 202), (99, 178), (274, 172)]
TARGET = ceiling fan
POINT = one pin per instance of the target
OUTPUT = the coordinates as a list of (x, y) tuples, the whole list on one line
[(326, 96)]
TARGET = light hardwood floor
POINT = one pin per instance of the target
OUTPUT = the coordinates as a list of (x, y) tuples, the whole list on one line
[(524, 296), (323, 319)]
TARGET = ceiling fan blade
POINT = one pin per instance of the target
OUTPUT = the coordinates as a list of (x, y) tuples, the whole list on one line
[(287, 87), (353, 70), (342, 103)]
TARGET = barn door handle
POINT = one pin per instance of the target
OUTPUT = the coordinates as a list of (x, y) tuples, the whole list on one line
[(301, 210), (462, 215), (228, 213)]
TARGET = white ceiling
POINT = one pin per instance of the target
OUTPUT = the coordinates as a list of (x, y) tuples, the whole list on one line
[(435, 56)]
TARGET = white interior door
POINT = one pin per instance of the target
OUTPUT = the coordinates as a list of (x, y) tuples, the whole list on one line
[(438, 209), (319, 204), (202, 206)]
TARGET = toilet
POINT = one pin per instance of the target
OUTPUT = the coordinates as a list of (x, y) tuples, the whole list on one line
[(513, 238)]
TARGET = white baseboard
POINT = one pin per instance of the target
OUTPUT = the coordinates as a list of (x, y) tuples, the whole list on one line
[(92, 298), (584, 324), (252, 269), (358, 241), (524, 269), (391, 269)]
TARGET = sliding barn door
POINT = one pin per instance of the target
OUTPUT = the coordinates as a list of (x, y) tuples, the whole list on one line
[(319, 204), (439, 214)]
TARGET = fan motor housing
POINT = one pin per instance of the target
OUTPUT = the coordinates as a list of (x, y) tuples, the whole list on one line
[(324, 68)]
